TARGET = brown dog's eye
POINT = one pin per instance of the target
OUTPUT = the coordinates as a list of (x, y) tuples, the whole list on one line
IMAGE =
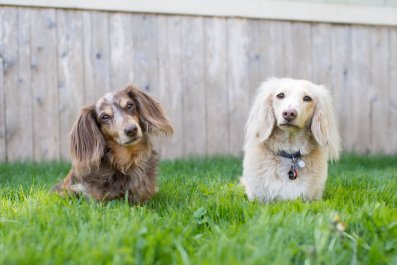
[(307, 98), (105, 117), (280, 96), (130, 106)]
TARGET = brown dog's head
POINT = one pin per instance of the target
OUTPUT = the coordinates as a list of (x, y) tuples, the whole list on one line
[(122, 117)]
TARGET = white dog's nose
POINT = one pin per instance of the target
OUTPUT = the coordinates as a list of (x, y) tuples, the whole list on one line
[(290, 114)]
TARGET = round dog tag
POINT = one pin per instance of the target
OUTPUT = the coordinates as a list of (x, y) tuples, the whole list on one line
[(301, 163)]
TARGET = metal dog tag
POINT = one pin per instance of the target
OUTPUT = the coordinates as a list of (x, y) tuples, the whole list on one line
[(293, 173), (300, 163)]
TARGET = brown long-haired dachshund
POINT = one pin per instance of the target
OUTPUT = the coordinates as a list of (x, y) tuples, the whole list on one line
[(111, 150)]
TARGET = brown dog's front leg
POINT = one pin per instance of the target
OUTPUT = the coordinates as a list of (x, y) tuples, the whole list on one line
[(67, 186)]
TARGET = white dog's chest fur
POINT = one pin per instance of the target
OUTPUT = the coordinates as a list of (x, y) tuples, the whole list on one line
[(266, 178), (276, 184)]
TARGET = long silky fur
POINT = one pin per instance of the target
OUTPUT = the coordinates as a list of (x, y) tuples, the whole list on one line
[(153, 116), (87, 144)]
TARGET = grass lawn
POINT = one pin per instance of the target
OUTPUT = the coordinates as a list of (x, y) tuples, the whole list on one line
[(201, 216)]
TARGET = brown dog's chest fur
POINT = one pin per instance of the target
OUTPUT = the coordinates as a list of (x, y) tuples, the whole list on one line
[(123, 172), (124, 158)]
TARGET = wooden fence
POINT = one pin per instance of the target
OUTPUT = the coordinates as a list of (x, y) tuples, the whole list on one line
[(204, 70)]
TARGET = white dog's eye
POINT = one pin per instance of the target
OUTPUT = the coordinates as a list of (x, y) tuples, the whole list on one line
[(307, 98), (280, 96)]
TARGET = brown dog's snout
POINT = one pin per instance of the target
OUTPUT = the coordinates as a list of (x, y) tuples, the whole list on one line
[(290, 114), (131, 130)]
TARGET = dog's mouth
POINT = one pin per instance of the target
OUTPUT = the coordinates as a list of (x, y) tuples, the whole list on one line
[(130, 142), (288, 125)]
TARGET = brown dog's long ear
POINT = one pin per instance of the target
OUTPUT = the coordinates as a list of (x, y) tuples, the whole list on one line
[(324, 124), (153, 116), (261, 118), (87, 144)]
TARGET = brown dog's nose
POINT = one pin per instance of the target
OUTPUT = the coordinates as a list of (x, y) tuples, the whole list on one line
[(131, 130), (290, 114)]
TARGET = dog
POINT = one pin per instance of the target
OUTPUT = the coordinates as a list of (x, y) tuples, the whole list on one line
[(291, 133), (111, 149)]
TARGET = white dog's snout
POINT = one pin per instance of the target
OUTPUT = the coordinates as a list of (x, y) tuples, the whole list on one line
[(290, 114)]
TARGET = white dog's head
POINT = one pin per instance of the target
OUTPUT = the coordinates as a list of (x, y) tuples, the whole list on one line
[(293, 105)]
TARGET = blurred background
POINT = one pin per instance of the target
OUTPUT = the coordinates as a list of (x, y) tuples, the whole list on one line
[(202, 59)]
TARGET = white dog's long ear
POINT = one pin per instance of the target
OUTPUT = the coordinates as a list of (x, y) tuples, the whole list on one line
[(324, 124), (261, 118)]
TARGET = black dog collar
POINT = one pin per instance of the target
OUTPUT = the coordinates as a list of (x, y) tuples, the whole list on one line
[(292, 156), (297, 163)]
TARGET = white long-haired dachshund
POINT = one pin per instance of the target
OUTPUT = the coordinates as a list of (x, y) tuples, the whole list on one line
[(291, 133)]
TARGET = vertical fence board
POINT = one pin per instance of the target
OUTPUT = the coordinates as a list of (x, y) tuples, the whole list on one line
[(239, 104), (216, 85), (121, 50), (259, 51), (10, 73), (18, 105), (145, 53), (44, 84), (277, 48), (341, 81), (10, 61), (194, 112), (379, 86), (287, 47), (96, 55), (262, 53), (392, 113), (25, 102), (361, 124), (70, 72), (3, 145), (298, 48), (321, 60), (170, 81)]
